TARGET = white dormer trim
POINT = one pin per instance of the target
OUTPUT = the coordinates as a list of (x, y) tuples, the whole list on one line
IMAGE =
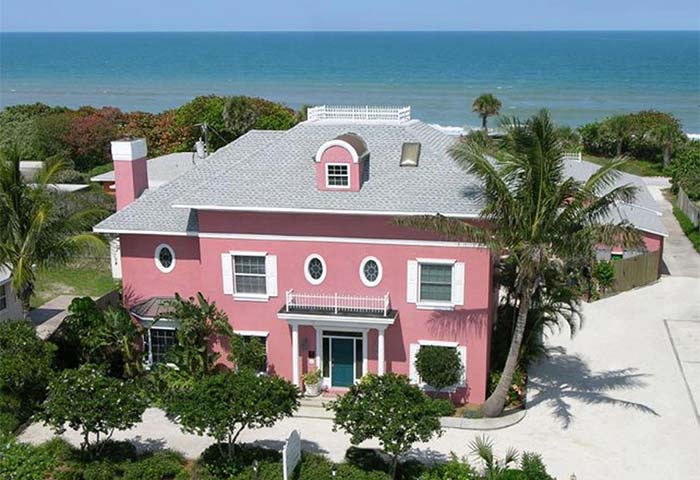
[(337, 143)]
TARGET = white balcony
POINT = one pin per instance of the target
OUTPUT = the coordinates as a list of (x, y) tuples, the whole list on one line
[(359, 113), (336, 303)]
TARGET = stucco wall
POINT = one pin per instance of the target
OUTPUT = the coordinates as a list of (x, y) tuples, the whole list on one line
[(198, 268), (14, 309)]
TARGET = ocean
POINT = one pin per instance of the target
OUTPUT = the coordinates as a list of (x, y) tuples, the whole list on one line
[(579, 76)]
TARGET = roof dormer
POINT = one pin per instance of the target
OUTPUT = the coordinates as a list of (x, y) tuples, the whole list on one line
[(340, 163)]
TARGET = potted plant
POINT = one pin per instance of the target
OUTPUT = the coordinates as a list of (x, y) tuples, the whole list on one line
[(312, 382)]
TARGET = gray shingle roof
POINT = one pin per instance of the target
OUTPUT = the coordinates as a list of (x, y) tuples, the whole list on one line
[(161, 170), (275, 170)]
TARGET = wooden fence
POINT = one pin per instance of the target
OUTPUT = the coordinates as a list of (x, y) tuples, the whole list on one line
[(635, 271), (689, 207)]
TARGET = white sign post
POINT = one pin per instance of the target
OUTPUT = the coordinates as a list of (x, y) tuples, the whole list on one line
[(291, 454)]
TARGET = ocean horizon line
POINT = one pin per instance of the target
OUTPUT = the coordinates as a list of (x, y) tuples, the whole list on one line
[(576, 30)]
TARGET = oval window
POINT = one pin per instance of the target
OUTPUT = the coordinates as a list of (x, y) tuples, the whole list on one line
[(315, 269), (165, 258), (371, 271)]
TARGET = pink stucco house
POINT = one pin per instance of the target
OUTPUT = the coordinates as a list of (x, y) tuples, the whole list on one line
[(291, 233)]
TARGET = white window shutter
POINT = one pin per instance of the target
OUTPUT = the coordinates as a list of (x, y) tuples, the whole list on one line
[(412, 281), (462, 352), (227, 272), (271, 275), (458, 284), (412, 370)]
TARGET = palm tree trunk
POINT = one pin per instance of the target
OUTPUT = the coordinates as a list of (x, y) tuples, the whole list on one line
[(483, 122), (619, 147), (495, 403), (25, 296), (667, 155)]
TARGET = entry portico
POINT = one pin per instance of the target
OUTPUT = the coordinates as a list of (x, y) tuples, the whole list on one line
[(342, 324)]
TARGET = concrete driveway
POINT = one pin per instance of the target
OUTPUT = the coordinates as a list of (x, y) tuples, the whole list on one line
[(610, 403)]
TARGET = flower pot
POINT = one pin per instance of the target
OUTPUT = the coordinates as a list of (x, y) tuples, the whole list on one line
[(312, 389)]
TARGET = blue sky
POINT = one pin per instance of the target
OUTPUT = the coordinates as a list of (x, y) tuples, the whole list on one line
[(175, 15)]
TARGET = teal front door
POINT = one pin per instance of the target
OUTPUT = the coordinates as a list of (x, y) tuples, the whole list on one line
[(342, 362)]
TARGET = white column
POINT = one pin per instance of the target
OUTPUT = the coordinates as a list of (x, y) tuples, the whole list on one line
[(319, 348), (364, 352), (380, 351), (295, 354)]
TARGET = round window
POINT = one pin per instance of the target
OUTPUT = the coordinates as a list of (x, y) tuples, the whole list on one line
[(371, 271), (315, 269), (165, 258)]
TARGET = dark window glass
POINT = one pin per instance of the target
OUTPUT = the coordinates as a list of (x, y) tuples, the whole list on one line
[(165, 257), (358, 358), (326, 357), (160, 342), (371, 271), (249, 272), (338, 175), (436, 282), (315, 268), (3, 297)]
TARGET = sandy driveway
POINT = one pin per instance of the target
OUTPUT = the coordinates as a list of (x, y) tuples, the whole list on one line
[(611, 403)]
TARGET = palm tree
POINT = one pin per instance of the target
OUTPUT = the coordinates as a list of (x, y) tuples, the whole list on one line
[(667, 137), (534, 215), (620, 127), (482, 447), (486, 105), (36, 232)]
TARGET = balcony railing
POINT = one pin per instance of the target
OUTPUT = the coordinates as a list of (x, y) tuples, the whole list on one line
[(362, 113), (336, 303)]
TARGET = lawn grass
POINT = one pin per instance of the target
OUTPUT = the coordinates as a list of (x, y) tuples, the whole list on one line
[(83, 277), (690, 230), (633, 166)]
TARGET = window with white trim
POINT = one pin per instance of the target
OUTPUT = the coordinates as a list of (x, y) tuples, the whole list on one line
[(156, 343), (249, 274), (165, 258), (337, 175), (371, 271), (3, 297), (435, 282), (315, 269)]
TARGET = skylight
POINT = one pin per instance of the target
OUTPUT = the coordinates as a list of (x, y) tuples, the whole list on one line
[(410, 154)]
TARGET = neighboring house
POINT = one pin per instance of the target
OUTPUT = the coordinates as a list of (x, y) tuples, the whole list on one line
[(9, 303), (291, 233), (643, 212), (161, 171), (30, 169)]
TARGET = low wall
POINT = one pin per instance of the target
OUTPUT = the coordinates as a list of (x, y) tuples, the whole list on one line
[(689, 207)]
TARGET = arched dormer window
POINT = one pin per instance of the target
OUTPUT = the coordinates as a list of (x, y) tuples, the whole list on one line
[(340, 163)]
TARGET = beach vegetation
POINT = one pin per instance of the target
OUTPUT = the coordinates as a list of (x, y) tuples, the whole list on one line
[(38, 233), (486, 105), (391, 410), (542, 219), (685, 170), (647, 135)]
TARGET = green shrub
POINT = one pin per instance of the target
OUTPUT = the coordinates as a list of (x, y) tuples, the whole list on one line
[(20, 461), (533, 467), (215, 462), (690, 230), (604, 273), (103, 470), (163, 465), (516, 392), (439, 367), (685, 170), (451, 470), (318, 467), (25, 370), (512, 475)]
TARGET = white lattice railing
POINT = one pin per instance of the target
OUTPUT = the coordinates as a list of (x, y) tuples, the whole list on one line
[(348, 112), (573, 156), (336, 303)]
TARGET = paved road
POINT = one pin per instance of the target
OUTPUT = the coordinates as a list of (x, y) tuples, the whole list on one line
[(679, 256)]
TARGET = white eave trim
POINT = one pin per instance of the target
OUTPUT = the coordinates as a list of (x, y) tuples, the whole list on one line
[(306, 318), (220, 208)]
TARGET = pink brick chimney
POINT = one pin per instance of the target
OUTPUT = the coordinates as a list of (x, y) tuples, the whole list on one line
[(130, 169)]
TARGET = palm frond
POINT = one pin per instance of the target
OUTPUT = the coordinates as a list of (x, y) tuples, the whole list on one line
[(447, 227)]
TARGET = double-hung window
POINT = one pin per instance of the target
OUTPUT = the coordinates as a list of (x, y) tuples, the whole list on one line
[(249, 275), (157, 342), (435, 283), (3, 297), (337, 175)]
